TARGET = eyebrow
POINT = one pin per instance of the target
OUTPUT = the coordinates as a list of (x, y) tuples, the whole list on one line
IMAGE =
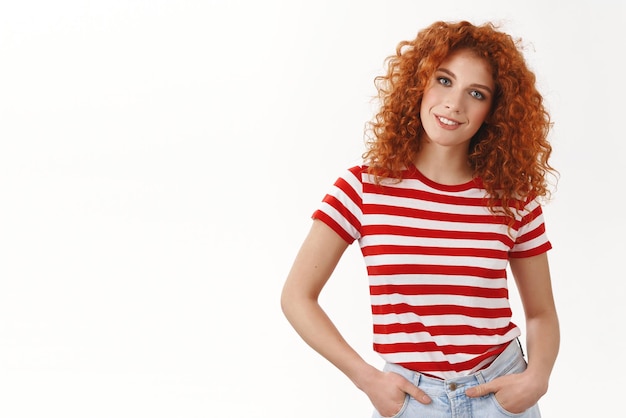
[(451, 74)]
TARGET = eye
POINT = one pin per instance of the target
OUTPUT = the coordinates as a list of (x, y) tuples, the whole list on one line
[(477, 95), (444, 81)]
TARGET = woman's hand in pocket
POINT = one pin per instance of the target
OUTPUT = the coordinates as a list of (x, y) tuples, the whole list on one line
[(387, 392), (515, 392)]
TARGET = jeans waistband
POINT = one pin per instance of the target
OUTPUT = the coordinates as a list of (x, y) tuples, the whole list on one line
[(507, 360)]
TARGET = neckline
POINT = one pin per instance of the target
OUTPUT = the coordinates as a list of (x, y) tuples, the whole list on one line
[(415, 173)]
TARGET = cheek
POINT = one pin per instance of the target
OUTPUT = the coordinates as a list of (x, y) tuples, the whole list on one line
[(483, 114), (423, 107), (427, 101)]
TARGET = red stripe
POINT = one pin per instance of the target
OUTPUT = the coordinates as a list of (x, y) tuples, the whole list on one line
[(358, 171), (422, 195), (532, 252), (541, 229), (429, 310), (434, 269), (452, 251), (438, 330), (435, 233), (434, 289), (372, 209), (349, 191), (414, 173), (531, 216), (339, 207), (430, 346), (445, 366), (333, 225)]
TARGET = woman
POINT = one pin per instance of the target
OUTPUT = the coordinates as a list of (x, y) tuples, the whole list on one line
[(447, 197)]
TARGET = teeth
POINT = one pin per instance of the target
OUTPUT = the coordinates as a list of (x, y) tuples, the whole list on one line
[(447, 121)]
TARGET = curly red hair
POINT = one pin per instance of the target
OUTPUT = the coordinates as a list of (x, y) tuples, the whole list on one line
[(509, 153)]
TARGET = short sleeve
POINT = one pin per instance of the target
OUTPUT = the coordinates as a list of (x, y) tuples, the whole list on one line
[(341, 208), (532, 238)]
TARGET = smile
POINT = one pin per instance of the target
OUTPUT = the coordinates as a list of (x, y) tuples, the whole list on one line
[(447, 121)]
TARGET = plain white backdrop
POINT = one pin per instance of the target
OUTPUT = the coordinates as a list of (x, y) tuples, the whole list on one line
[(159, 163)]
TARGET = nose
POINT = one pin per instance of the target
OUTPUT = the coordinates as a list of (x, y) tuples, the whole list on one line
[(454, 100)]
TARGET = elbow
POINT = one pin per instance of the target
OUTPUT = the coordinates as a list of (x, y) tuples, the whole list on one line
[(294, 299), (286, 301)]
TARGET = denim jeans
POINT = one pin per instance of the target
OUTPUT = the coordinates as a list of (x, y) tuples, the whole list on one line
[(448, 396)]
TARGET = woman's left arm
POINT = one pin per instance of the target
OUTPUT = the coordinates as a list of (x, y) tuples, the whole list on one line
[(532, 276), (519, 392)]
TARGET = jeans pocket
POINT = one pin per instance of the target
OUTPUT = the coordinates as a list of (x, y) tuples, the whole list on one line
[(400, 412), (501, 408)]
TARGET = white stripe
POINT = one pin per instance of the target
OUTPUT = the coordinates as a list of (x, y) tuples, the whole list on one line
[(416, 203), (534, 243), (436, 260), (532, 205), (354, 182), (346, 201), (439, 279), (480, 365), (413, 184), (530, 226), (430, 356), (436, 320), (429, 300), (394, 220), (384, 239), (337, 217), (441, 340), (529, 245)]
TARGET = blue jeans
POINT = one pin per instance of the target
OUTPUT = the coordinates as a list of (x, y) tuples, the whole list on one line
[(448, 396)]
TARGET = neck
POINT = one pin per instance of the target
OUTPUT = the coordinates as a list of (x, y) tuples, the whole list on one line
[(443, 165)]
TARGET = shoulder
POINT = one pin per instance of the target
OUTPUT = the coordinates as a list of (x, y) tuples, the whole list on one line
[(355, 173), (358, 169)]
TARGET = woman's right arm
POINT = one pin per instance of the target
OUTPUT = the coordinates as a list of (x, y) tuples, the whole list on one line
[(318, 256)]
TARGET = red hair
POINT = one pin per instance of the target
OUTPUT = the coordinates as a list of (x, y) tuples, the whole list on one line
[(509, 153)]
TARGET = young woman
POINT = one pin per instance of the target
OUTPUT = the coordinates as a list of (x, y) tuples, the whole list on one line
[(447, 197)]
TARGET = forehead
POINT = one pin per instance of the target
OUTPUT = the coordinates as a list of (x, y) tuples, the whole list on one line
[(466, 64)]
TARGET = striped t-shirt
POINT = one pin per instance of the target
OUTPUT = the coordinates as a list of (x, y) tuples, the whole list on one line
[(436, 259)]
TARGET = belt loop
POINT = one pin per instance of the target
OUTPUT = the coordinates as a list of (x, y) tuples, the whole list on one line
[(416, 378), (520, 347), (480, 377)]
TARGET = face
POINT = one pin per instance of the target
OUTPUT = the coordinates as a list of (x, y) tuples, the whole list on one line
[(457, 100)]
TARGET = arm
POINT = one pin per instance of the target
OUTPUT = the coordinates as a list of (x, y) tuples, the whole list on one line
[(532, 276), (311, 269), (519, 392)]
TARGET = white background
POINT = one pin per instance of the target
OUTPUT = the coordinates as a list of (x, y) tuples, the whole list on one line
[(159, 163)]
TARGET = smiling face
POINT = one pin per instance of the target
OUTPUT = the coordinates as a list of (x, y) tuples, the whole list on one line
[(457, 100)]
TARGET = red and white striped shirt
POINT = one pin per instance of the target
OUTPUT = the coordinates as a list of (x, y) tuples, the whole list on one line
[(436, 259)]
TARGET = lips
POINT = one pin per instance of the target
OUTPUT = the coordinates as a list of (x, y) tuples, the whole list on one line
[(447, 123)]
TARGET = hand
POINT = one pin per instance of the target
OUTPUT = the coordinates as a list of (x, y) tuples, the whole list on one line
[(387, 392), (515, 392)]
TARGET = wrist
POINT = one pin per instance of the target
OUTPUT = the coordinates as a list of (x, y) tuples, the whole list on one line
[(363, 375), (538, 380)]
